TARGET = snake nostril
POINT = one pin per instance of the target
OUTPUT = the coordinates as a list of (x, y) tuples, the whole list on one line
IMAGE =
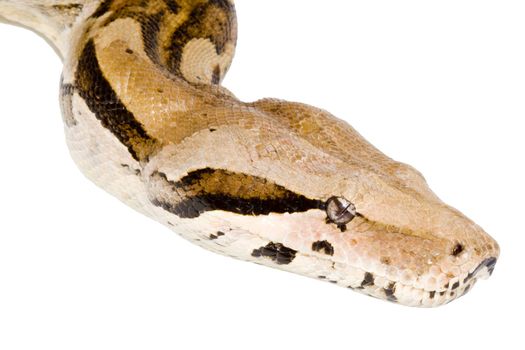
[(458, 249)]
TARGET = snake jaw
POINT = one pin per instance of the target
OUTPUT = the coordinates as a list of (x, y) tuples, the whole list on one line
[(303, 243)]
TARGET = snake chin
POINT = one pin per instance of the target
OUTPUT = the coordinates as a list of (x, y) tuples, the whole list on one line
[(416, 294)]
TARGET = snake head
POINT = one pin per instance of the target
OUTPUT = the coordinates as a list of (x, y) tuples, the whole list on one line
[(291, 187)]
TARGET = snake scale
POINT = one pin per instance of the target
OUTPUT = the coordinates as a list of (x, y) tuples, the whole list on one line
[(278, 183)]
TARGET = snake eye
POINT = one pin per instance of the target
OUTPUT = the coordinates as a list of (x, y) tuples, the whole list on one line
[(340, 211)]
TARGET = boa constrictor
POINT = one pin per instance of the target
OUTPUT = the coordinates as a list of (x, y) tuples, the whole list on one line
[(277, 183)]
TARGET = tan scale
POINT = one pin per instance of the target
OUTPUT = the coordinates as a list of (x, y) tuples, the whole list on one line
[(146, 119)]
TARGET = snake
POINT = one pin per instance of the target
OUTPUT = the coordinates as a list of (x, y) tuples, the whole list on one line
[(281, 184)]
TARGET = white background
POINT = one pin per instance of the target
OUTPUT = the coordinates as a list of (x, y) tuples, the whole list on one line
[(437, 84)]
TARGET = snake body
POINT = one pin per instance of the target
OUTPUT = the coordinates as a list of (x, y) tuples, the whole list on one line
[(277, 183)]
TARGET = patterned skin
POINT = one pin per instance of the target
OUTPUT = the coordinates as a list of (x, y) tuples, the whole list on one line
[(278, 183)]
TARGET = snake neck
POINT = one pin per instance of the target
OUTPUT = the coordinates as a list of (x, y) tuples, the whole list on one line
[(143, 68), (54, 20)]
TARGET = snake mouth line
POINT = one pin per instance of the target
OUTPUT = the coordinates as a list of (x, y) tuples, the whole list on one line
[(409, 294), (378, 285)]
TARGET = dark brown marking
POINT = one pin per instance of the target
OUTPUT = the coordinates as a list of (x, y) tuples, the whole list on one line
[(102, 9), (130, 51), (389, 292), (66, 103), (467, 288), (131, 169), (455, 285), (68, 7), (150, 28), (216, 77), (276, 252), (173, 6), (96, 91), (66, 12), (368, 280), (217, 235), (432, 294), (71, 6), (323, 247), (216, 189)]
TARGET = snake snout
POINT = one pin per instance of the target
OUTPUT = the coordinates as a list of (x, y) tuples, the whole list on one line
[(485, 268)]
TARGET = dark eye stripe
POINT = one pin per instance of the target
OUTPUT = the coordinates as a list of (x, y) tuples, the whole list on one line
[(217, 189)]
